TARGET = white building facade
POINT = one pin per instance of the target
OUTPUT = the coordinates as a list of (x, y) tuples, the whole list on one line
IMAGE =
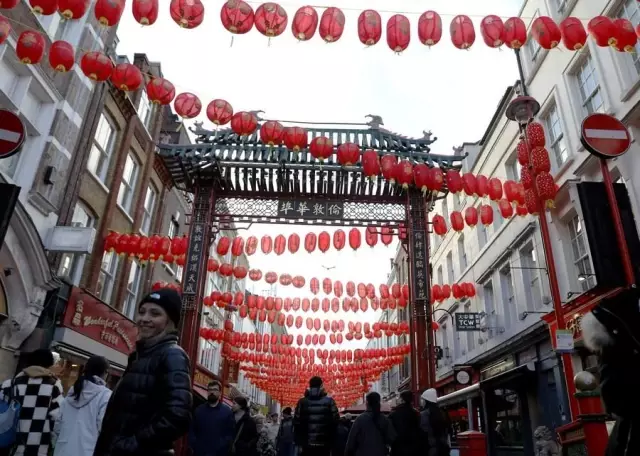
[(512, 360)]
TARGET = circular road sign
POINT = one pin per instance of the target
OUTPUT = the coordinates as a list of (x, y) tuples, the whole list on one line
[(605, 136), (12, 134)]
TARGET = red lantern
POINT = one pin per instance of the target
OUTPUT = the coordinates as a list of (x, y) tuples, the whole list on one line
[(492, 30), (546, 188), (225, 269), (626, 38), (540, 161), (546, 32), (255, 274), (219, 112), (321, 148), (324, 241), (436, 293), (305, 23), (327, 286), (295, 138), (5, 27), (212, 265), (145, 12), (574, 36), (454, 181), (510, 190), (486, 214), (404, 173), (348, 154), (495, 189), (96, 65), (457, 223), (298, 281), (439, 225), (294, 243), (531, 202), (522, 153), (354, 238), (271, 132), (422, 176), (398, 33), (370, 164), (535, 135), (388, 164), (111, 241), (371, 236), (369, 27), (470, 217), (271, 19), (522, 210), (187, 13), (187, 105), (240, 272), (127, 77), (602, 30), (72, 9), (430, 28), (30, 47), (251, 245), (108, 12), (469, 184), (515, 33), (505, 208), (237, 16), (44, 7), (160, 91), (331, 24), (62, 56), (237, 246), (310, 241), (339, 239), (266, 244), (279, 245), (244, 123), (224, 243), (463, 35), (271, 278)]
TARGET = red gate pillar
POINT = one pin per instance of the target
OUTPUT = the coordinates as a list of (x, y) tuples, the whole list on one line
[(422, 352), (194, 280)]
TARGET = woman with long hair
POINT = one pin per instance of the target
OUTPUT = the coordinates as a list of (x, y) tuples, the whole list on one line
[(246, 436), (81, 413), (434, 424), (372, 433)]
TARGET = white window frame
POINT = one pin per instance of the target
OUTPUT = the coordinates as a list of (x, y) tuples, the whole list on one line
[(483, 235), (630, 62), (558, 144), (133, 290), (440, 275), (462, 254), (445, 210), (72, 264), (514, 169), (531, 275), (581, 259), (128, 184), (583, 70), (104, 151), (508, 290), (533, 49), (489, 303), (451, 275), (145, 110), (107, 276), (147, 214)]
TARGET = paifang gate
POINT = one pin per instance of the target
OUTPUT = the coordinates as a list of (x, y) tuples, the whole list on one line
[(242, 180)]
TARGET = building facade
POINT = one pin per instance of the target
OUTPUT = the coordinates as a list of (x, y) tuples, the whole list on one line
[(53, 107), (511, 361)]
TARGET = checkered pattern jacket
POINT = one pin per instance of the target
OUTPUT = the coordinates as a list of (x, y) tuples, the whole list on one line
[(40, 394)]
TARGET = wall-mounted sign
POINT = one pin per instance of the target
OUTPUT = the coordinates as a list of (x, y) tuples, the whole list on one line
[(468, 321), (194, 259), (498, 368), (310, 209), (564, 342), (12, 134), (419, 264), (93, 318), (462, 375)]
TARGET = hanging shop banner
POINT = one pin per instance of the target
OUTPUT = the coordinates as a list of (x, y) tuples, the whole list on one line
[(310, 210), (93, 318), (419, 265), (194, 259), (468, 321)]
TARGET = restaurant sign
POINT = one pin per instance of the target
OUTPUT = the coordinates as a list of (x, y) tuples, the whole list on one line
[(311, 209), (92, 318)]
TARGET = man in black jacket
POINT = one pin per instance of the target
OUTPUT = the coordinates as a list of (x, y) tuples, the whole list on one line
[(406, 422), (315, 421), (151, 406)]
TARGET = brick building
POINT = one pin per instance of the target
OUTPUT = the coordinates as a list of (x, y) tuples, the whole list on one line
[(53, 107)]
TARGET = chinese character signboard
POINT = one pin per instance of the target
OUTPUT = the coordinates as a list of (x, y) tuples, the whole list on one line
[(194, 259), (468, 321), (420, 283), (310, 210)]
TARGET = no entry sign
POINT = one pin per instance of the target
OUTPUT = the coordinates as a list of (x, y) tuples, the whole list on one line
[(12, 134), (605, 136)]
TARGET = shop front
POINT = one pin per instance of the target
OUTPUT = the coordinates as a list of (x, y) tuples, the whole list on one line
[(91, 327)]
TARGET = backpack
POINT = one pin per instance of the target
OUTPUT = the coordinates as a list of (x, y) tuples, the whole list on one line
[(9, 415)]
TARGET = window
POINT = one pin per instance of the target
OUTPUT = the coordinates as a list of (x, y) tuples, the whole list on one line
[(497, 218), (107, 276), (581, 259), (514, 169), (445, 210), (489, 308), (458, 201), (556, 136), (71, 264), (533, 48), (440, 276), (483, 236), (508, 295), (450, 274), (101, 149), (631, 10), (133, 287), (589, 87), (128, 184), (145, 110), (149, 206), (462, 254), (561, 7), (174, 226), (531, 276), (445, 345)]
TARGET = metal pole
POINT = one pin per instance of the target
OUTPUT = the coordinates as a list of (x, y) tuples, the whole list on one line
[(617, 222)]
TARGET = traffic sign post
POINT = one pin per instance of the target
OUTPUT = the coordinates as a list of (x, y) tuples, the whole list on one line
[(607, 137), (12, 134)]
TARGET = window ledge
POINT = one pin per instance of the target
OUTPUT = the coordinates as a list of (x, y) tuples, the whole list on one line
[(98, 181), (565, 166), (628, 93), (125, 213), (41, 203)]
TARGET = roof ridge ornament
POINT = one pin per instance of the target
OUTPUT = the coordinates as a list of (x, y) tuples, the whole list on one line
[(459, 150), (375, 121)]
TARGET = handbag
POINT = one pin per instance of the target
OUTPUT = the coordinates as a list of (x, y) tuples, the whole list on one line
[(9, 417), (235, 440)]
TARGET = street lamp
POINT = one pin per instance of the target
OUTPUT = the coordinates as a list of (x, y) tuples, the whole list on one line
[(522, 109)]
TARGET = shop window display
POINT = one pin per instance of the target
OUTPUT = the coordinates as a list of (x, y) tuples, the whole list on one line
[(508, 428), (69, 367)]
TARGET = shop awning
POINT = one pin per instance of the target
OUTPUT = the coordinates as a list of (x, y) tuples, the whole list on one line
[(509, 375), (82, 345), (460, 396)]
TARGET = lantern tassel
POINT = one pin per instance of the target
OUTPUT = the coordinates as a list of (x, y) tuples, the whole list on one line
[(232, 37)]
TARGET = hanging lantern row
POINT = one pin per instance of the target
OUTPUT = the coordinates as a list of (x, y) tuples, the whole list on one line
[(457, 290), (536, 179)]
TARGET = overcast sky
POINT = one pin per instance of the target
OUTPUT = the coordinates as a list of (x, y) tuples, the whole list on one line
[(454, 93)]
